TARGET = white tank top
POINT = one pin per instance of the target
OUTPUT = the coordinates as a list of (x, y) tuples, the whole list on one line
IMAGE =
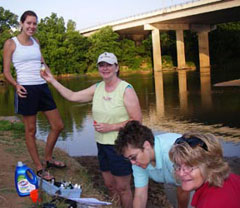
[(27, 63)]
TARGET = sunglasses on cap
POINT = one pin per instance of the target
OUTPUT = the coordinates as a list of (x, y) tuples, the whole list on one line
[(192, 141)]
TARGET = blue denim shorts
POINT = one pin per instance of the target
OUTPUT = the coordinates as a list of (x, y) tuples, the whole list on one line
[(109, 160), (39, 98)]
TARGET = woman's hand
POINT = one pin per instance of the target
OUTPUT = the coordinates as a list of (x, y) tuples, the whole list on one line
[(46, 74), (21, 91), (103, 127)]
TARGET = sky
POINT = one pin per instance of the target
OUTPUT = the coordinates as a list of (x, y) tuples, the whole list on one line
[(87, 13)]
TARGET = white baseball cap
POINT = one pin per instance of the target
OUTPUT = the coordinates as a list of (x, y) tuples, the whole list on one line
[(107, 57)]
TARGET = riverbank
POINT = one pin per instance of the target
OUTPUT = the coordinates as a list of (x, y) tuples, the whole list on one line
[(123, 72), (13, 149), (81, 170)]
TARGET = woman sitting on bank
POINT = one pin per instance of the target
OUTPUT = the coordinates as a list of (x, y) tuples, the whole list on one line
[(199, 165)]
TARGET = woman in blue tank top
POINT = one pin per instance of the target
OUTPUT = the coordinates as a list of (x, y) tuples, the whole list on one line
[(32, 92)]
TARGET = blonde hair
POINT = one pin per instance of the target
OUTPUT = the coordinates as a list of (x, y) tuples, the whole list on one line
[(210, 161)]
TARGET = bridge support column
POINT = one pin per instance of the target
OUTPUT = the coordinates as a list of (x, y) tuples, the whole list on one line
[(180, 49), (157, 59), (203, 45)]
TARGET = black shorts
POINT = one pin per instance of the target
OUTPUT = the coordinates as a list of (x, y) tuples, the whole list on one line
[(39, 98), (109, 160)]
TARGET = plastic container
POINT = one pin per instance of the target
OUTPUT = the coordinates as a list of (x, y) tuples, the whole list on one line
[(56, 189), (25, 180)]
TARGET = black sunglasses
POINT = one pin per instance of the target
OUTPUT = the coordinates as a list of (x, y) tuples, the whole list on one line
[(192, 141)]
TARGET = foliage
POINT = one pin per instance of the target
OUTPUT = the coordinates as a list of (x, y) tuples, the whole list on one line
[(168, 42), (219, 44), (191, 47), (71, 26), (167, 61), (9, 126), (103, 40), (147, 46), (129, 56), (8, 21), (63, 49)]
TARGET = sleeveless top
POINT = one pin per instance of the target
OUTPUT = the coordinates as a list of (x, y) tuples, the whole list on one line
[(108, 107), (27, 63)]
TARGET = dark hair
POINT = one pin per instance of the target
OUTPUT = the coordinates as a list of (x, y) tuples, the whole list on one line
[(134, 134), (27, 13)]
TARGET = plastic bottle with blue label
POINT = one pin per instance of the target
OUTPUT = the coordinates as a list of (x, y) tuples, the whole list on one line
[(25, 180)]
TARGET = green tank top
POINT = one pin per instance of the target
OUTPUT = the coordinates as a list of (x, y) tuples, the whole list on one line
[(108, 107)]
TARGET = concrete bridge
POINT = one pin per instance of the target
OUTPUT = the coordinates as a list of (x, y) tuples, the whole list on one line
[(199, 16)]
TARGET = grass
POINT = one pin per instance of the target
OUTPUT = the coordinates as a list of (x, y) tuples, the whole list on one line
[(16, 127)]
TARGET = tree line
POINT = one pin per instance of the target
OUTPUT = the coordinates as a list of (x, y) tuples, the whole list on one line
[(66, 51)]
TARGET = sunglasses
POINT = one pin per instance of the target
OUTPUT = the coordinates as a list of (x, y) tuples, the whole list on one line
[(192, 141)]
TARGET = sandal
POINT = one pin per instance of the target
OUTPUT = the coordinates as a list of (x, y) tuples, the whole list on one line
[(44, 175), (55, 164)]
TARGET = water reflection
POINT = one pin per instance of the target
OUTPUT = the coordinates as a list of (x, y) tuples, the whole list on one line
[(205, 80), (171, 102), (159, 93), (182, 85), (78, 142)]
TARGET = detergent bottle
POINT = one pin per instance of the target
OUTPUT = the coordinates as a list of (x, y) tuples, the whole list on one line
[(25, 179)]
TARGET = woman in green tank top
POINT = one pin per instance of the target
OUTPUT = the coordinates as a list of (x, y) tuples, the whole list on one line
[(114, 103)]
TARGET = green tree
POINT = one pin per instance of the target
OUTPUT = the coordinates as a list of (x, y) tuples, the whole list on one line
[(103, 40), (77, 47), (8, 20), (129, 55), (51, 34), (64, 50), (147, 46), (225, 50), (71, 26), (8, 23)]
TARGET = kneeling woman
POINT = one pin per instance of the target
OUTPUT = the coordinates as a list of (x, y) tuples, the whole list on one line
[(199, 165)]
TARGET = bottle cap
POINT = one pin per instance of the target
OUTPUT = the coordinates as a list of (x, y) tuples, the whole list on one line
[(19, 164)]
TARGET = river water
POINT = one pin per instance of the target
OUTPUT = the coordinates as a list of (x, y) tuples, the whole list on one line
[(171, 102)]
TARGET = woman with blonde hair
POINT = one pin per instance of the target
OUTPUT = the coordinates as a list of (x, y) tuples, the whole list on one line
[(199, 165)]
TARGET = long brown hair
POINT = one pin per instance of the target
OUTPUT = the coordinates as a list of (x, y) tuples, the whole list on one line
[(27, 13)]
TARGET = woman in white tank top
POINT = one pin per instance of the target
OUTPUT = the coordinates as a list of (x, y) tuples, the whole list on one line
[(24, 52)]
